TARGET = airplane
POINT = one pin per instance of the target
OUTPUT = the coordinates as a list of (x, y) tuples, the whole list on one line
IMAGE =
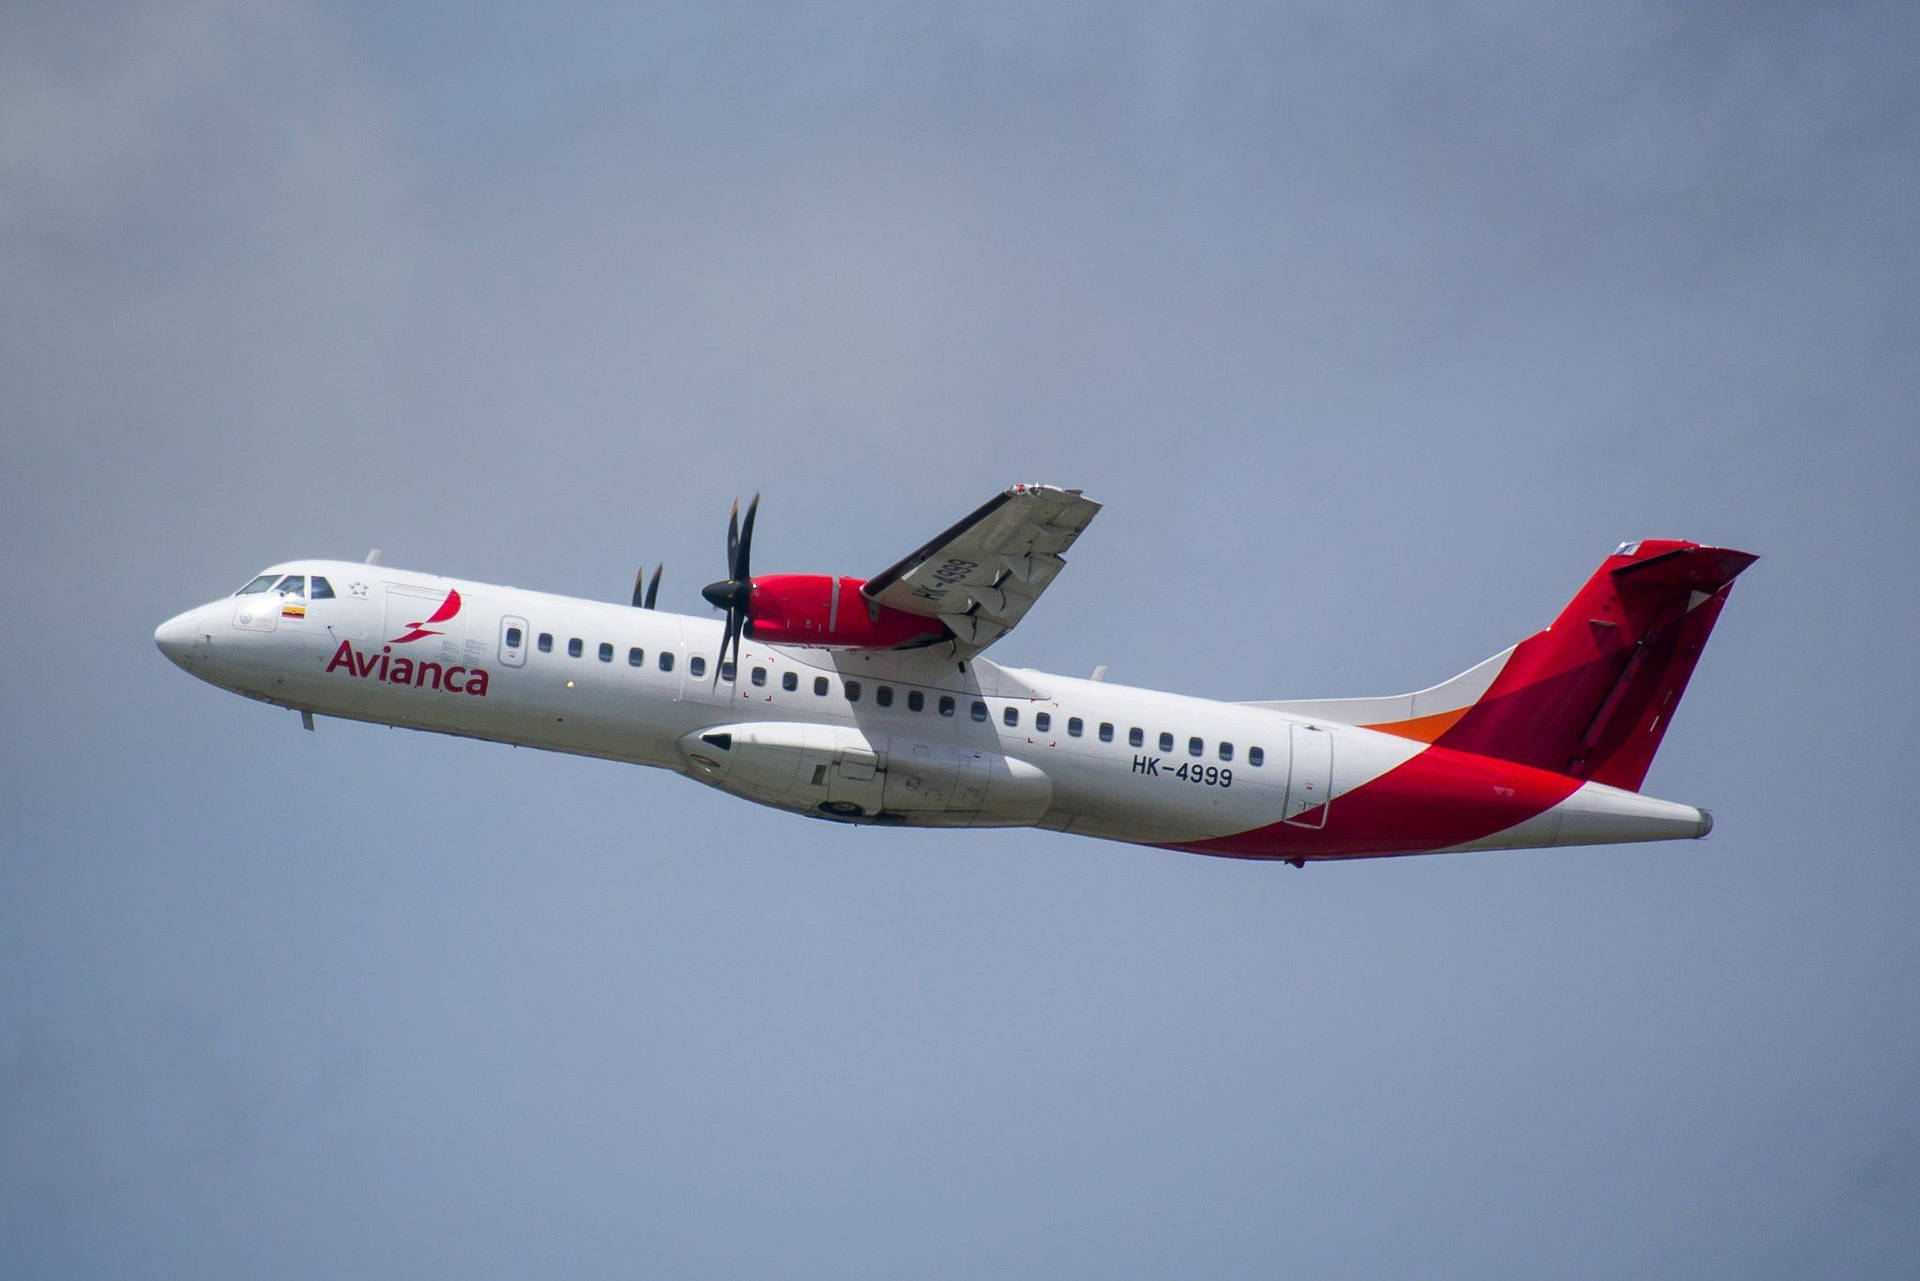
[(870, 701)]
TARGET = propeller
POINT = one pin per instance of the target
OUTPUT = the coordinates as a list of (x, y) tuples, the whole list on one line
[(644, 599), (735, 592)]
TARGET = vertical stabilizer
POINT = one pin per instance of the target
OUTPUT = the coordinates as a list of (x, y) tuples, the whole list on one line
[(1593, 694)]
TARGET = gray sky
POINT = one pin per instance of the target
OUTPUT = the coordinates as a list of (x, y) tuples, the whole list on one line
[(1374, 326)]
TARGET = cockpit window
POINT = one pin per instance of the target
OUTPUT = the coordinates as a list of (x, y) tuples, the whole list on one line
[(293, 585), (320, 589), (258, 585)]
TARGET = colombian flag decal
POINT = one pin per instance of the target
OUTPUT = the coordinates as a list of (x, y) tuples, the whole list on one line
[(290, 610)]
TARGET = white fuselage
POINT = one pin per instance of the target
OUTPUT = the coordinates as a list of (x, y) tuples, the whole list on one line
[(910, 737)]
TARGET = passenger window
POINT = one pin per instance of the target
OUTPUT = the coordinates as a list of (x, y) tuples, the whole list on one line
[(758, 676), (1136, 736), (636, 656), (820, 686), (1106, 731), (696, 666), (883, 695), (546, 642), (1042, 722), (726, 671), (606, 652), (1074, 726), (1226, 751), (575, 647), (946, 704), (915, 700), (666, 660), (258, 585), (1195, 747), (853, 691), (293, 585), (978, 710), (789, 681), (513, 638), (320, 589), (1166, 741), (1011, 718), (1256, 757)]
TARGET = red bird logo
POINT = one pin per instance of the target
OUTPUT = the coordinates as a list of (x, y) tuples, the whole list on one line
[(448, 608)]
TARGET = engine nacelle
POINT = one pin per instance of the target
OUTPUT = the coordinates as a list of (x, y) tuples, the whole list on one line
[(828, 611)]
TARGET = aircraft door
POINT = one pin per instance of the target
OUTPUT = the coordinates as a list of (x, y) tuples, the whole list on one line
[(1310, 777), (513, 641)]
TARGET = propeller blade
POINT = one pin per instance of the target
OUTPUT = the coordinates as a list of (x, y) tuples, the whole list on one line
[(728, 635), (734, 594), (639, 592), (733, 540), (653, 586), (741, 571)]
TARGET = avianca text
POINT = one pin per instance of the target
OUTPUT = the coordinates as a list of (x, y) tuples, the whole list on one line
[(418, 673)]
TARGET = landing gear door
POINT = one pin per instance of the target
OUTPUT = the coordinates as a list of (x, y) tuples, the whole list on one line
[(855, 783)]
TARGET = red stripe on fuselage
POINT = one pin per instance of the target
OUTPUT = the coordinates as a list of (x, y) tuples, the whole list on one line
[(1435, 800)]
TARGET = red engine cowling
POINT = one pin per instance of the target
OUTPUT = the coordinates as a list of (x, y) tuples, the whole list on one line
[(829, 612)]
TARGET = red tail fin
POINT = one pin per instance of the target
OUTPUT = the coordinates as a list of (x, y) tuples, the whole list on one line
[(1593, 694)]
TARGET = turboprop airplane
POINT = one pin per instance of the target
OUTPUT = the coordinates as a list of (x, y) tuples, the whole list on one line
[(870, 701)]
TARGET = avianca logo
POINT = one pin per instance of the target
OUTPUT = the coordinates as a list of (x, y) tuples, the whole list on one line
[(448, 608), (385, 668)]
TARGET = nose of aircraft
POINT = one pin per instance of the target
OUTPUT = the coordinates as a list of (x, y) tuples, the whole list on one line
[(175, 637)]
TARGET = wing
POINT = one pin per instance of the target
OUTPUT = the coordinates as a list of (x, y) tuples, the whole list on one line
[(980, 577)]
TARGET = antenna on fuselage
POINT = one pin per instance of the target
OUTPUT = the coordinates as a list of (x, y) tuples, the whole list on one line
[(373, 557)]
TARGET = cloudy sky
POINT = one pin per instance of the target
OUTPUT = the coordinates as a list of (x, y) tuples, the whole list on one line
[(1374, 325)]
